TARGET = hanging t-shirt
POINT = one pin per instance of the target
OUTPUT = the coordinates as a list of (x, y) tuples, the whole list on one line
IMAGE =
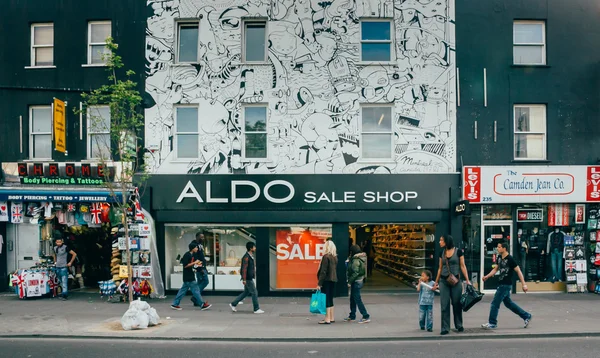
[(48, 209), (506, 269)]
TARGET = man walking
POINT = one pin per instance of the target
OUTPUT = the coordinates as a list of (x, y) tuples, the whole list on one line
[(201, 271), (506, 265), (248, 272), (61, 252), (189, 280)]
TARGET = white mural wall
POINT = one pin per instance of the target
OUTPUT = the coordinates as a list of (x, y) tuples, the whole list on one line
[(314, 84)]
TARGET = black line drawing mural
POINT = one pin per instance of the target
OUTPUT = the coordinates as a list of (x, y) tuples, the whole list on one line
[(313, 84)]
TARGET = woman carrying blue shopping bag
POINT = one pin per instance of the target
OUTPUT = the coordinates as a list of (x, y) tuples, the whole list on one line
[(327, 276)]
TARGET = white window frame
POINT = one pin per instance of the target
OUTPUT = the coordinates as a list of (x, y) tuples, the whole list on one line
[(91, 44), (390, 41), (178, 24), (176, 133), (243, 118), (32, 135), (91, 133), (526, 44), (515, 132), (362, 146), (34, 46), (258, 20)]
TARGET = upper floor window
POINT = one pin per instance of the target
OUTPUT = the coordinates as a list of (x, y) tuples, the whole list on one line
[(98, 133), (376, 132), (529, 43), (42, 45), (186, 132), (530, 132), (188, 34), (376, 40), (40, 132), (98, 32), (255, 132), (255, 41)]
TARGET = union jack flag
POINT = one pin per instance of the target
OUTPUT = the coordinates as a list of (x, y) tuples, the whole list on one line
[(96, 212), (20, 285), (17, 213), (71, 208), (139, 215), (570, 266)]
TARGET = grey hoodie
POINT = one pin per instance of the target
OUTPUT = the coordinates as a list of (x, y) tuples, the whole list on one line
[(357, 267)]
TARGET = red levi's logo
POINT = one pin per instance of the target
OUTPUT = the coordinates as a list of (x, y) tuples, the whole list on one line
[(593, 184), (472, 184)]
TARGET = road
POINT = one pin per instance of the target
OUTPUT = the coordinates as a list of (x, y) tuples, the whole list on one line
[(102, 348)]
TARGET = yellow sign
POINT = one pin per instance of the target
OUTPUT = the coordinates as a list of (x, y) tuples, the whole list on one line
[(60, 126), (123, 273)]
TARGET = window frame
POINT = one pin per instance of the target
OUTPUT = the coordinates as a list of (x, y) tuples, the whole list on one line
[(266, 132), (176, 133), (255, 20), (90, 133), (32, 134), (545, 133), (90, 44), (178, 24), (34, 46), (390, 41), (391, 132), (525, 44)]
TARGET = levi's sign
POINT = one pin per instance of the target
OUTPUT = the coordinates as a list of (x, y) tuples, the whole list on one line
[(531, 184)]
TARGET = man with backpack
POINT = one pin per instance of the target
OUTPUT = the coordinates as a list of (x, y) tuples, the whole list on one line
[(61, 252), (356, 274)]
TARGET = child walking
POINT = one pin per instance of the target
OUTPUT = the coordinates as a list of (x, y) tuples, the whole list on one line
[(426, 295)]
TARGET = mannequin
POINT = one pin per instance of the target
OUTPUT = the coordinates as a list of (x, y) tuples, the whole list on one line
[(555, 247), (523, 249), (535, 254)]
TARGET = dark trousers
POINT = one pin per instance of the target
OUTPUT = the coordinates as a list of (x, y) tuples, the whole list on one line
[(249, 290), (356, 300), (202, 279), (450, 295)]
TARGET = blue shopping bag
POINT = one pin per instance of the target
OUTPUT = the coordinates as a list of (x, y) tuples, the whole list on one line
[(317, 303)]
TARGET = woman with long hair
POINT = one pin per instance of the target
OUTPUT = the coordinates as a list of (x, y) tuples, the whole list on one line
[(327, 276)]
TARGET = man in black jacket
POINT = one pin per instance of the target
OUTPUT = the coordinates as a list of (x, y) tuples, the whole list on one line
[(248, 272), (201, 271)]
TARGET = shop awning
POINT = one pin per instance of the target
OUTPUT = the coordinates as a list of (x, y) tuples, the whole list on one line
[(62, 195)]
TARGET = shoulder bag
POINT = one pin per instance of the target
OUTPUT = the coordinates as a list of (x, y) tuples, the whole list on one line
[(451, 280)]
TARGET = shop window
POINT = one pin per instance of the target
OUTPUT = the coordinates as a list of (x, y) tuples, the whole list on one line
[(42, 45), (188, 34), (529, 43), (186, 132), (255, 132), (377, 134), (40, 132), (98, 132), (376, 40), (98, 32), (255, 41), (530, 132)]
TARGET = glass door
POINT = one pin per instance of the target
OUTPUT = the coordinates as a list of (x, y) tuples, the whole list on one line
[(491, 235)]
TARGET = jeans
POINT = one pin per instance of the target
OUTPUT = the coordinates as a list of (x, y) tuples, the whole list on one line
[(356, 300), (63, 276), (451, 294), (249, 290), (503, 295), (202, 279), (426, 316), (556, 259), (193, 286)]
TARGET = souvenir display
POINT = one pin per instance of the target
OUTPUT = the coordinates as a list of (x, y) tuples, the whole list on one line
[(575, 262), (593, 232), (38, 281)]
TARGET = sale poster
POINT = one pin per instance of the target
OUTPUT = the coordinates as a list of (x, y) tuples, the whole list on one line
[(299, 253)]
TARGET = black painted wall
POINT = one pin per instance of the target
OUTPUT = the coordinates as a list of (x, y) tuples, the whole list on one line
[(21, 88), (569, 85)]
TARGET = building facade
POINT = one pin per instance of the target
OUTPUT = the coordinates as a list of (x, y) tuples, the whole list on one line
[(49, 153), (528, 134), (286, 123)]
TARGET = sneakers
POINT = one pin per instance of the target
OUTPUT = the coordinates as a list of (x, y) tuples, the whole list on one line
[(205, 306), (364, 320), (62, 298), (348, 319), (259, 311), (176, 308), (232, 307), (527, 321), (489, 326)]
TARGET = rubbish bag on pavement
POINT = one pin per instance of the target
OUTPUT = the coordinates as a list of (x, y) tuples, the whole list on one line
[(134, 319), (317, 303), (470, 297), (153, 317)]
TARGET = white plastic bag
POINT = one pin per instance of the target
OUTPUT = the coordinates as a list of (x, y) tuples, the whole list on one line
[(134, 319), (153, 317), (139, 305)]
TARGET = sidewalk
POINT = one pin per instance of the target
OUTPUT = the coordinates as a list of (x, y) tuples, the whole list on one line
[(394, 317)]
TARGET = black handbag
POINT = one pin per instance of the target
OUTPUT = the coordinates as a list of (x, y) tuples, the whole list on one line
[(470, 297)]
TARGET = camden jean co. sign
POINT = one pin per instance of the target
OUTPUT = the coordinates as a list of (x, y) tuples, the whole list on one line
[(301, 192), (63, 174)]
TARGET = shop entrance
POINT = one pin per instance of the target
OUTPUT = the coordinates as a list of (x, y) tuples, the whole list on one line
[(397, 254), (492, 234)]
